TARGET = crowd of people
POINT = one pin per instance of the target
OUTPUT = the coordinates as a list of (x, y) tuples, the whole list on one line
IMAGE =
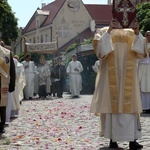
[(122, 86), (26, 81)]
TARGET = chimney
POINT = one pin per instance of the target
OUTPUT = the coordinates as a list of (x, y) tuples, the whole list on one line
[(43, 4), (109, 2)]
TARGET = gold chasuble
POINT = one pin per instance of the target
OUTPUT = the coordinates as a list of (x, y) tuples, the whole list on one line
[(117, 86), (4, 75)]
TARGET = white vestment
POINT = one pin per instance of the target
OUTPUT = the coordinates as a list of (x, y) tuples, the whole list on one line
[(21, 80), (29, 68), (119, 126), (43, 73), (144, 78), (13, 101), (75, 79), (122, 127), (96, 66), (8, 107), (36, 81), (17, 95)]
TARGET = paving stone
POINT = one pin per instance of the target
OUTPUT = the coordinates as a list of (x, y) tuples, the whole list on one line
[(61, 124)]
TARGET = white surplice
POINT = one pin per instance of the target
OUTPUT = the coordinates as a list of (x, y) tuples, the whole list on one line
[(75, 79), (29, 78), (144, 78), (8, 107), (43, 76), (20, 84)]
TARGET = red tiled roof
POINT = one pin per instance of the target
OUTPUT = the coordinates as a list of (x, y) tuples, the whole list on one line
[(53, 7), (102, 14)]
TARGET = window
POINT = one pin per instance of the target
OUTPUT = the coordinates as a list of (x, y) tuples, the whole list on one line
[(33, 39), (46, 38), (30, 40), (37, 40), (41, 38), (37, 24)]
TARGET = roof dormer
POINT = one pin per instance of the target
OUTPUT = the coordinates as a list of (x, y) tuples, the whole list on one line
[(40, 17)]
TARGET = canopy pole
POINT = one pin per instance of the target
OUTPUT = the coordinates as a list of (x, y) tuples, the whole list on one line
[(25, 46)]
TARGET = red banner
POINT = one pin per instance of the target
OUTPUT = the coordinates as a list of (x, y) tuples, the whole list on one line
[(124, 12)]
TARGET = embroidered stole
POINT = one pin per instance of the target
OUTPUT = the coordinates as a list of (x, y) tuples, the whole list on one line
[(119, 103)]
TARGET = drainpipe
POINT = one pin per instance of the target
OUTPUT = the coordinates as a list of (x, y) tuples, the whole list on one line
[(51, 35)]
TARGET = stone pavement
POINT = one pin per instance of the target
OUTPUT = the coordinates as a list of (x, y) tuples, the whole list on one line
[(61, 124)]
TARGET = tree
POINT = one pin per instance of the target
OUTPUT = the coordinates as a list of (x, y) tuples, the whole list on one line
[(143, 16), (8, 23)]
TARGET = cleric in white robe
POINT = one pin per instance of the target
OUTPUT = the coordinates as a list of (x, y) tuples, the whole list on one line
[(144, 77), (74, 70), (44, 80), (29, 68), (117, 92), (17, 95)]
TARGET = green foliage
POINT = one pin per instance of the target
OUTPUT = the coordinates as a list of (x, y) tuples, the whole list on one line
[(88, 75), (8, 23), (89, 41), (70, 48), (143, 15), (21, 57), (74, 45)]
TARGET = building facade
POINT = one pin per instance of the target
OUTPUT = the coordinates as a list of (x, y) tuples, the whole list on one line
[(66, 18)]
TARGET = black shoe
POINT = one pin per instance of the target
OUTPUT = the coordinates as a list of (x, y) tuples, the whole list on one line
[(6, 125), (60, 97), (135, 146), (2, 130), (76, 96), (113, 144)]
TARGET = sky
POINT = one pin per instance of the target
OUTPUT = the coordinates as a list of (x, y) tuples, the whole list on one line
[(24, 9)]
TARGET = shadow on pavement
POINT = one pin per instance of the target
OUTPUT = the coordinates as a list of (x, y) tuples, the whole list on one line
[(107, 148), (145, 115)]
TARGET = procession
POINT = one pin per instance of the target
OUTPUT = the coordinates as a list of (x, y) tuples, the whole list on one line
[(72, 82)]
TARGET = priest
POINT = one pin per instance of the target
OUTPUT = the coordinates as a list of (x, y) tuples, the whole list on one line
[(144, 73), (29, 68), (74, 70), (17, 95), (44, 80), (7, 82), (117, 92)]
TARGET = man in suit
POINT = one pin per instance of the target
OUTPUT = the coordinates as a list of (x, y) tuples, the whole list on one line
[(60, 77)]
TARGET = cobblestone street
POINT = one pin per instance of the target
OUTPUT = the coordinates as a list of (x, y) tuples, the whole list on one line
[(61, 124)]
